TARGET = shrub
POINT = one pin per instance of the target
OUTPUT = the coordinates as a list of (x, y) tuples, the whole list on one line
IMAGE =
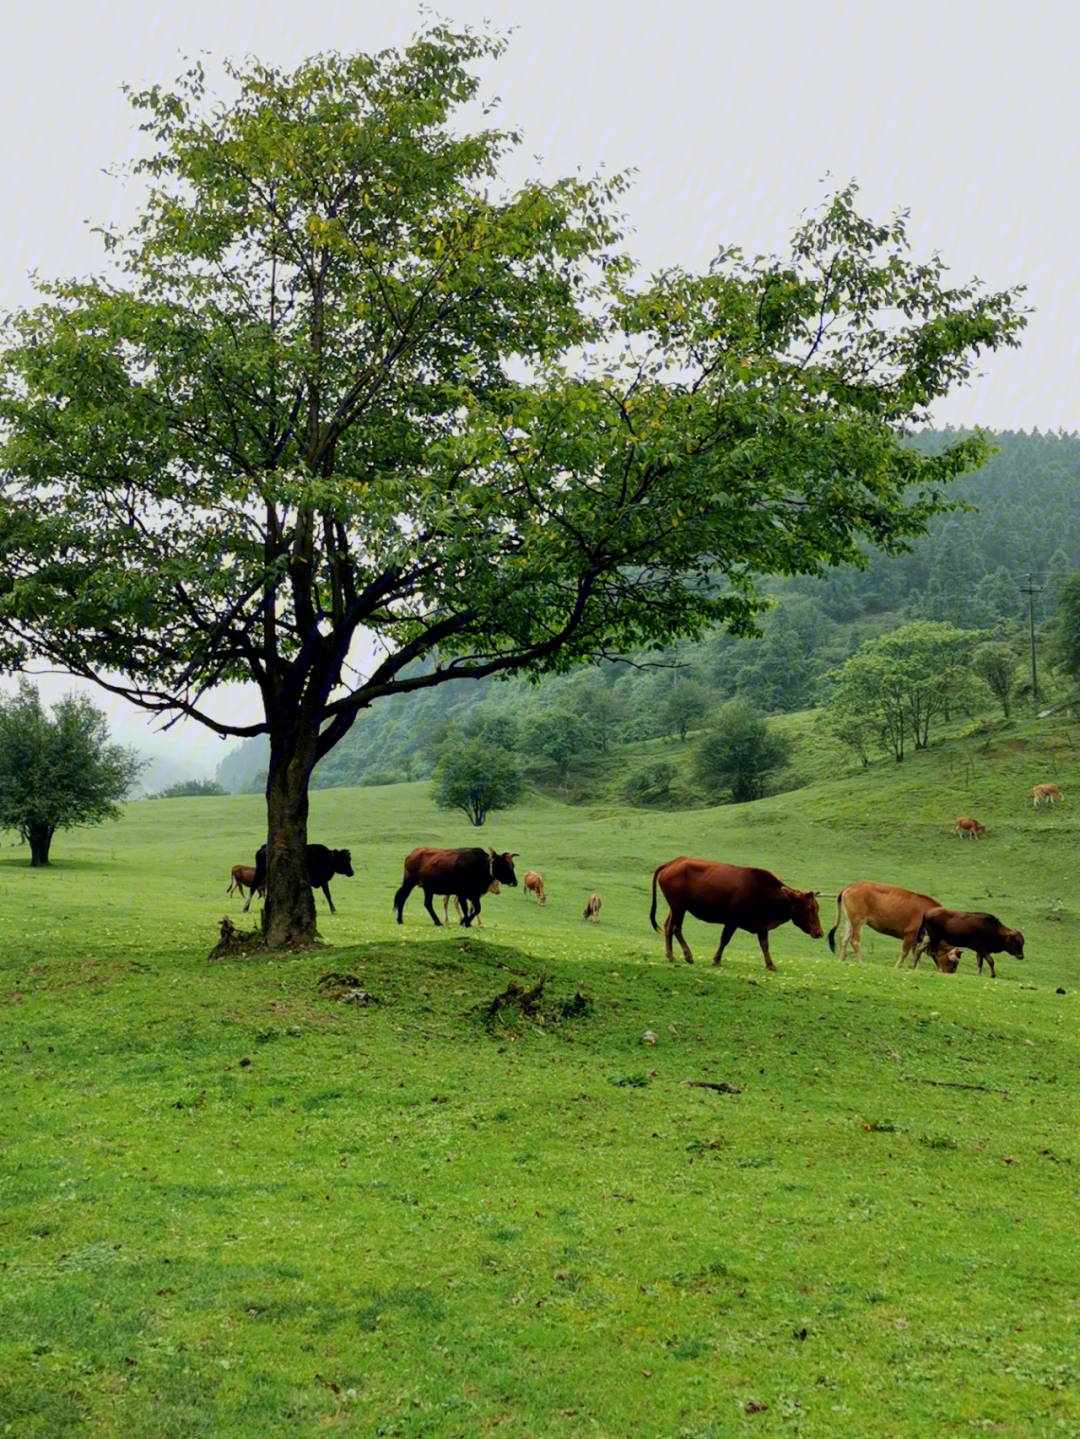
[(740, 753)]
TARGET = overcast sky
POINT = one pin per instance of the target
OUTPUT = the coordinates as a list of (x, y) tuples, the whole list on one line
[(733, 116)]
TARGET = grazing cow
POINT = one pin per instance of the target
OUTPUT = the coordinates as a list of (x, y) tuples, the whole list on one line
[(886, 909), (534, 885), (493, 888), (969, 826), (983, 933), (592, 909), (243, 874), (465, 873), (322, 865), (1047, 794), (734, 896)]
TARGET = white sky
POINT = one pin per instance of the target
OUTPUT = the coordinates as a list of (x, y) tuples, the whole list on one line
[(732, 114)]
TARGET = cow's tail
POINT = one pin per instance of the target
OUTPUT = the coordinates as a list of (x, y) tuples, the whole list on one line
[(652, 912), (924, 932), (836, 926)]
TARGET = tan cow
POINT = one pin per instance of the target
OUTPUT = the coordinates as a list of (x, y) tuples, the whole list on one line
[(493, 888), (534, 885), (244, 874), (592, 909), (964, 826), (887, 910), (1047, 794), (733, 895)]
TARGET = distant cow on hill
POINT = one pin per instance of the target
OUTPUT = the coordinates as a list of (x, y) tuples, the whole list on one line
[(734, 896), (1047, 794), (592, 909), (243, 874), (886, 909), (465, 873), (493, 888), (533, 884), (323, 864), (964, 826), (983, 933)]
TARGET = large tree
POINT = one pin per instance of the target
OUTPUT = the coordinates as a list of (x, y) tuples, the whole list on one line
[(338, 397), (58, 771)]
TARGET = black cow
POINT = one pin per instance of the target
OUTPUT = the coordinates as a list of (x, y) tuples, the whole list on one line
[(322, 864), (465, 873), (984, 933)]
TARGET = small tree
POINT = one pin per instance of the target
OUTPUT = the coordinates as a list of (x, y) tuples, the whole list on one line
[(60, 772), (740, 753), (476, 777), (686, 703), (995, 663), (562, 737)]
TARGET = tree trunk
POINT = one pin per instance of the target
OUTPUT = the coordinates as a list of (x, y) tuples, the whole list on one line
[(288, 917), (40, 838)]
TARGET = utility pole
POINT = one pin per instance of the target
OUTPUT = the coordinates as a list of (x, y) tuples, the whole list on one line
[(1031, 591)]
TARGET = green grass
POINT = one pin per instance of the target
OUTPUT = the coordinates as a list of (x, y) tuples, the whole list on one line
[(233, 1207)]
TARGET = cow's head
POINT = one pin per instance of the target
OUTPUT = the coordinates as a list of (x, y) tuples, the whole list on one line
[(1014, 943), (342, 861), (501, 867), (804, 911), (947, 960)]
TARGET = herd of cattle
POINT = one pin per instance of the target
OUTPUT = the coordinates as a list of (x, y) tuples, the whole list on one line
[(731, 895)]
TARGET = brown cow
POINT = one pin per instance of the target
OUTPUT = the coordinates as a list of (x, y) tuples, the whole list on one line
[(592, 909), (244, 874), (534, 885), (969, 826), (493, 888), (1047, 794), (888, 910), (464, 873), (734, 896), (984, 933)]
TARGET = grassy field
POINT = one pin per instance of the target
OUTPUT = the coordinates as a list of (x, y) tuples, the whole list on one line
[(233, 1206)]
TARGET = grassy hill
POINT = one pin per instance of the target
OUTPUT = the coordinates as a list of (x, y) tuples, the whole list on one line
[(234, 1206)]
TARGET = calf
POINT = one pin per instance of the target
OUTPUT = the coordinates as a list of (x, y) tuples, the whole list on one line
[(592, 909), (733, 895), (983, 933), (323, 864), (969, 826), (1047, 794), (534, 885), (244, 874), (493, 888)]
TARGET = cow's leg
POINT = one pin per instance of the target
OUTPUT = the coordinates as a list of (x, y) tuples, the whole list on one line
[(407, 887), (909, 942), (990, 962), (427, 906), (725, 940), (330, 902), (673, 927), (856, 936), (763, 940)]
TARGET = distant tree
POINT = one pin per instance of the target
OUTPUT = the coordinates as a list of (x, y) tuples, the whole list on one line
[(995, 664), (476, 777), (1066, 634), (740, 753), (562, 737), (651, 785), (905, 682), (686, 703), (190, 789), (58, 772)]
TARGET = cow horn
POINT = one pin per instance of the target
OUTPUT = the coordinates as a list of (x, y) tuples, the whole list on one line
[(515, 855), (491, 851)]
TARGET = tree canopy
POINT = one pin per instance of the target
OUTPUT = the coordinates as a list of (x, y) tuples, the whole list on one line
[(58, 772), (476, 777), (338, 392)]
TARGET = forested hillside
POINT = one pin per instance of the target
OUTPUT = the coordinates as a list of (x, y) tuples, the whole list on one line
[(1022, 516)]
